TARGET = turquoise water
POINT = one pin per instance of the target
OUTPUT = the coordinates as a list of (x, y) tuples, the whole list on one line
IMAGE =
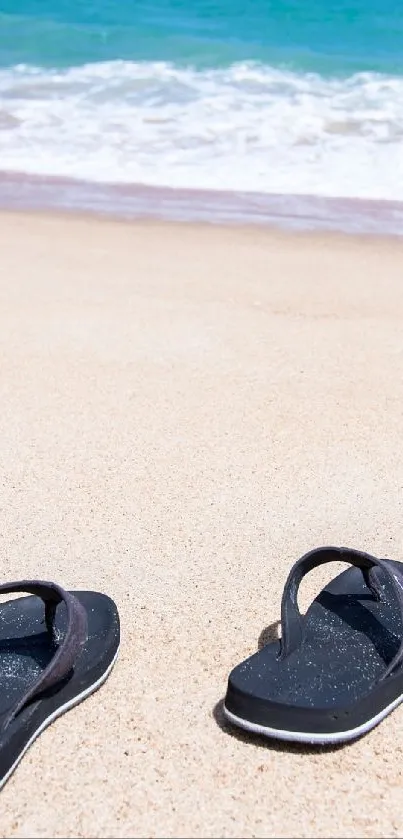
[(275, 96), (323, 36)]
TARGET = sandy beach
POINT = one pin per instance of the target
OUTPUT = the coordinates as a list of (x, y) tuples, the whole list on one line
[(185, 410)]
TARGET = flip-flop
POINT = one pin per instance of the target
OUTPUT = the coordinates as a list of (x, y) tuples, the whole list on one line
[(337, 671), (56, 648)]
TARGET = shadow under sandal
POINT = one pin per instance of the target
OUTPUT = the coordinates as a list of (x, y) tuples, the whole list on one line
[(56, 648), (337, 671)]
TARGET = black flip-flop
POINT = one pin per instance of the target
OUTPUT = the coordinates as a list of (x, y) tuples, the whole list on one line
[(56, 648), (337, 671)]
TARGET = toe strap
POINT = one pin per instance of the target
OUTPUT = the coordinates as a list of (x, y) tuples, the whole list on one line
[(291, 618), (67, 651)]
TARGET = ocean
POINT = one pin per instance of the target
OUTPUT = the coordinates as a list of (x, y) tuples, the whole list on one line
[(205, 108)]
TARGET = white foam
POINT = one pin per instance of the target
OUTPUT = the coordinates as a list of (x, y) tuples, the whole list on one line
[(245, 128)]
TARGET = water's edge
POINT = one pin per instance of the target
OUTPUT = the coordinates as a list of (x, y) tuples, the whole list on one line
[(136, 202)]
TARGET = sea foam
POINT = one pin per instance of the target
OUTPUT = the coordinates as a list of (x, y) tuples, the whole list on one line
[(248, 128)]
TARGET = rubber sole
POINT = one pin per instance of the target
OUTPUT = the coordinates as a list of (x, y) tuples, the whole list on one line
[(307, 737), (58, 713)]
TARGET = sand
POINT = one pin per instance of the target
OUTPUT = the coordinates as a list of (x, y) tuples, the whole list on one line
[(185, 411)]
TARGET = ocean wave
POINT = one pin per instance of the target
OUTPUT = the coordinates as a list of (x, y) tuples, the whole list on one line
[(247, 127)]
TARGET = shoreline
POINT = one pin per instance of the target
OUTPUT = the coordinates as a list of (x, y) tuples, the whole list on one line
[(265, 234), (131, 202)]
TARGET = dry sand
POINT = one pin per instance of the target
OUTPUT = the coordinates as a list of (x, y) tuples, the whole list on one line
[(185, 411)]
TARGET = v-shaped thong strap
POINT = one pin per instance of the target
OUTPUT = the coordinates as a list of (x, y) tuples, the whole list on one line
[(67, 652), (291, 618)]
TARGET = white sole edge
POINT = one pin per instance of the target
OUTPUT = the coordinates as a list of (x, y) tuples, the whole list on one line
[(58, 713), (309, 737)]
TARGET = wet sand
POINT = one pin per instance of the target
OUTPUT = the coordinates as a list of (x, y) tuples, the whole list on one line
[(137, 202)]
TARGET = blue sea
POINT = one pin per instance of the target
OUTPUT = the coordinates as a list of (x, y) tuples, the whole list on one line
[(221, 97)]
